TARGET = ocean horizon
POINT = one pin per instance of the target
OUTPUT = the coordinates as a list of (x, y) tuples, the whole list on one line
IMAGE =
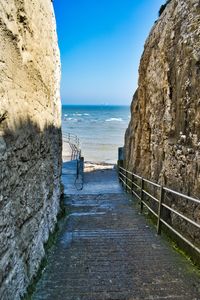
[(100, 128)]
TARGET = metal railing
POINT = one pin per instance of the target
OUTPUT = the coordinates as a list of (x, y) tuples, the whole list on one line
[(74, 144), (130, 181)]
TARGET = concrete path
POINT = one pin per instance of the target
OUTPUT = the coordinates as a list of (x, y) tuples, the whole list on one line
[(106, 250)]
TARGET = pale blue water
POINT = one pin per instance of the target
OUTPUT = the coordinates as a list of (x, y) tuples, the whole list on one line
[(101, 129)]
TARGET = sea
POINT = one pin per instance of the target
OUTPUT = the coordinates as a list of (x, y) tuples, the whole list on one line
[(101, 129)]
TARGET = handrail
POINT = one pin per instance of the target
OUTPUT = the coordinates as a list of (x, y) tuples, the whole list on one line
[(129, 184), (72, 138), (165, 188), (74, 144), (151, 182), (182, 195)]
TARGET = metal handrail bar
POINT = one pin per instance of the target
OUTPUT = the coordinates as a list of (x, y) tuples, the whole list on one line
[(180, 235), (70, 136), (130, 173), (135, 184), (71, 142), (135, 194), (151, 182), (137, 176), (126, 170), (123, 175), (150, 209), (180, 215), (123, 181), (154, 198), (129, 179), (181, 195), (126, 184)]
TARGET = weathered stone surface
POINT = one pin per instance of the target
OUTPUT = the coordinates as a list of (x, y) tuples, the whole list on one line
[(163, 138), (30, 139)]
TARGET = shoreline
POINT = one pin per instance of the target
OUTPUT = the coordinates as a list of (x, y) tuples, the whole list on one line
[(100, 163), (93, 166)]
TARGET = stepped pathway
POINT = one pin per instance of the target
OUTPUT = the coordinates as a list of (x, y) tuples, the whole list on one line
[(106, 250)]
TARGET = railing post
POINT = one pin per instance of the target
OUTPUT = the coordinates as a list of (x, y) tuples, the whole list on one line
[(132, 185), (122, 178), (77, 169), (126, 180), (119, 173), (161, 198), (141, 195)]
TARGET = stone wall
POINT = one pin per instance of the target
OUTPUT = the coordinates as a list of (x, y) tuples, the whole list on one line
[(162, 141), (30, 139)]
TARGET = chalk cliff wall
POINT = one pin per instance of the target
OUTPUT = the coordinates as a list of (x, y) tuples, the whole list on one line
[(30, 139), (162, 141)]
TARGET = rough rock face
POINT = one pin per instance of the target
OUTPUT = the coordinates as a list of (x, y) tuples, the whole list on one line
[(162, 141), (30, 139)]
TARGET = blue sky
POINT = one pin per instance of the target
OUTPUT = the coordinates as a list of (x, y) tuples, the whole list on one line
[(101, 42)]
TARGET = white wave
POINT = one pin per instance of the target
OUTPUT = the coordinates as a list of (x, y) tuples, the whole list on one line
[(65, 115), (114, 120), (71, 119), (86, 114), (77, 114)]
